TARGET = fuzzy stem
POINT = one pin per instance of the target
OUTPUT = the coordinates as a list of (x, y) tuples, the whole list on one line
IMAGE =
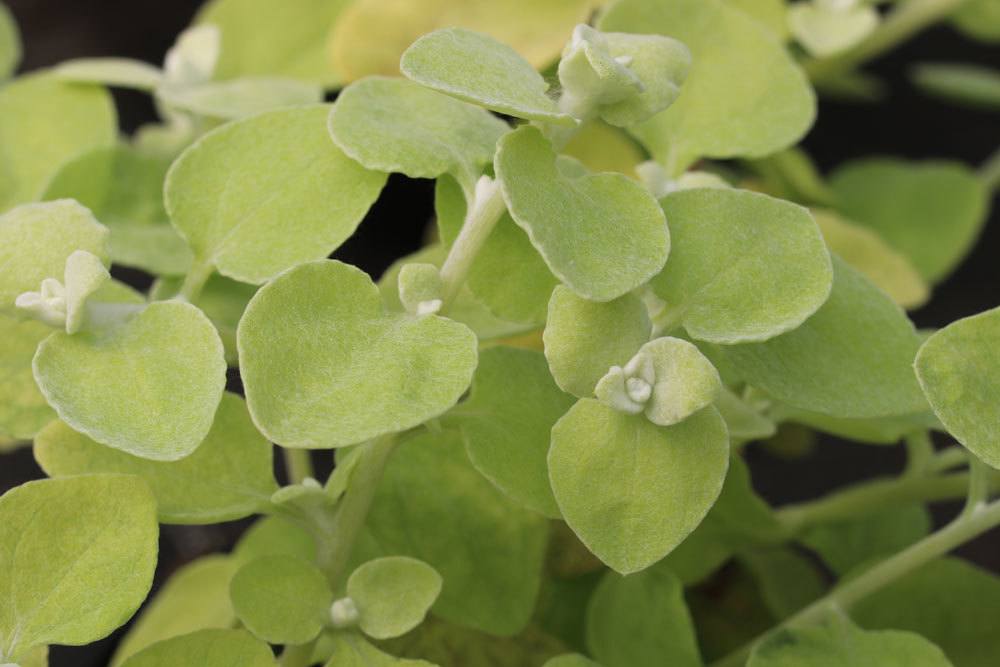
[(298, 464), (195, 280)]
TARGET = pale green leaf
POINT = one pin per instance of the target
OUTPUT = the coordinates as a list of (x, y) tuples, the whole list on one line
[(641, 621), (228, 477), (239, 98), (571, 660), (584, 339), (23, 410), (281, 599), (742, 420), (632, 490), (476, 68), (192, 58), (506, 424), (45, 122), (853, 358), (253, 197), (118, 72), (770, 13), (420, 288), (195, 597), (325, 365), (10, 43), (601, 147), (744, 266), (825, 29), (745, 95), (206, 648), (969, 85), (273, 536), (76, 559), (351, 650), (979, 19), (786, 579), (875, 431), (148, 385), (85, 274), (393, 594), (959, 370), (601, 234), (932, 212)]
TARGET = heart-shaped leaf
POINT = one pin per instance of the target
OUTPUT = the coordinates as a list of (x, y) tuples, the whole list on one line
[(206, 648), (632, 490), (325, 365), (148, 385), (393, 594), (825, 30), (216, 198), (281, 599), (601, 234)]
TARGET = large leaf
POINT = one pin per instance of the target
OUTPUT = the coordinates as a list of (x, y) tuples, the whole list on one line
[(206, 648), (281, 599), (325, 365), (392, 594)]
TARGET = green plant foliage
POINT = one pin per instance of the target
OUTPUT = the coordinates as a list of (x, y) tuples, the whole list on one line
[(274, 536), (641, 621), (387, 372), (742, 421), (601, 147), (23, 409), (825, 29), (215, 196), (76, 559), (631, 490), (959, 368), (392, 594), (211, 648), (571, 660), (771, 13), (118, 72), (979, 19), (601, 234), (969, 85), (351, 650), (281, 599), (743, 267), (10, 43), (744, 97)]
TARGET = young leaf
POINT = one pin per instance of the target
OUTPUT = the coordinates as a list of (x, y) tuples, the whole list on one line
[(601, 147), (601, 234), (930, 211), (825, 28), (744, 96), (477, 68), (206, 648), (227, 100), (506, 424), (148, 386), (744, 266), (393, 594), (228, 477), (281, 599), (853, 358), (76, 559), (632, 490), (959, 370), (215, 196), (351, 650), (324, 365), (742, 420), (273, 536), (584, 339), (641, 621), (10, 43)]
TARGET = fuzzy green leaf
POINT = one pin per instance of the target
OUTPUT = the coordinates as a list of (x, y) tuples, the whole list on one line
[(10, 43), (148, 385), (742, 420), (744, 266), (601, 234), (571, 660), (632, 490), (23, 410), (393, 594), (216, 198), (76, 559), (825, 29), (206, 648), (273, 536), (227, 100), (118, 72), (325, 365), (351, 650), (281, 599)]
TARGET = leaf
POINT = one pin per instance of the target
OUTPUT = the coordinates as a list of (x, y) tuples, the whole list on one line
[(853, 358), (394, 125), (787, 579), (76, 559), (207, 648), (979, 19), (506, 421), (273, 536), (228, 477), (433, 505), (216, 198), (959, 370), (930, 211), (826, 30), (631, 490), (10, 43), (371, 35), (240, 98), (743, 421), (476, 68), (744, 266), (584, 339), (23, 410), (148, 385), (641, 621), (974, 86), (771, 13), (281, 599), (875, 431), (324, 365), (351, 650), (393, 594), (601, 234), (45, 122), (195, 597), (601, 147), (113, 72), (745, 96), (571, 660)]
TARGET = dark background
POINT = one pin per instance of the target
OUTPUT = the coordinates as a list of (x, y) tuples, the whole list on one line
[(905, 124)]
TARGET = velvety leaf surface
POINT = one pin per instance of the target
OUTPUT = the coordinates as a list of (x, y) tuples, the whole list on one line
[(227, 100), (206, 648), (273, 536), (601, 147), (325, 365), (393, 594), (23, 409), (281, 599)]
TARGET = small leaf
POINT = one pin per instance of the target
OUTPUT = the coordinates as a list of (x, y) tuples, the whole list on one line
[(477, 68), (274, 536), (215, 196), (601, 147), (76, 559), (114, 72), (351, 650), (420, 288), (10, 43), (192, 58), (148, 386), (771, 13), (206, 648), (825, 28), (601, 234), (324, 365), (281, 599), (241, 97), (631, 490), (23, 410), (742, 420), (974, 86), (393, 594)]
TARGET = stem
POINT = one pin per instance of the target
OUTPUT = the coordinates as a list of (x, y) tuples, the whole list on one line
[(298, 464), (959, 531), (979, 486), (952, 457), (919, 453), (195, 280), (990, 172)]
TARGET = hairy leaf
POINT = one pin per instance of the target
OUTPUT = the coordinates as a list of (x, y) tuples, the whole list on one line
[(281, 599), (206, 648), (393, 594)]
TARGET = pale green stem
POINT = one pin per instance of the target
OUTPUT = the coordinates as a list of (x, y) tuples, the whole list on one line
[(195, 280), (849, 593), (990, 172), (919, 452), (952, 457), (298, 464), (979, 486)]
